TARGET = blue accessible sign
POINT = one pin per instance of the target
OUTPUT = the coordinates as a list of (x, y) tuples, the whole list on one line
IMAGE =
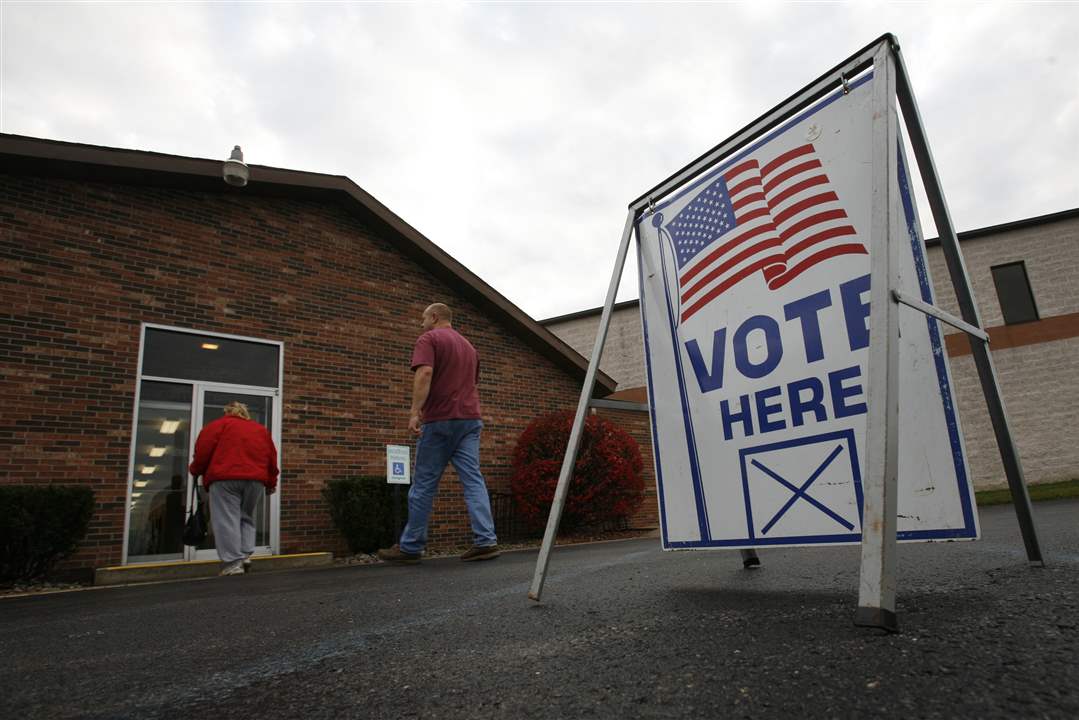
[(397, 464)]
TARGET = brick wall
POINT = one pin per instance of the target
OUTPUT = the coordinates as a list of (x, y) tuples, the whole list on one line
[(638, 424), (83, 264)]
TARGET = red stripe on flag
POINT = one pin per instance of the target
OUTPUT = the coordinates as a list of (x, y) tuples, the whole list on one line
[(819, 238), (747, 199), (822, 217), (739, 169), (785, 157), (726, 284), (791, 273), (799, 187), (732, 191), (801, 205), (723, 249), (751, 215), (791, 172), (772, 242)]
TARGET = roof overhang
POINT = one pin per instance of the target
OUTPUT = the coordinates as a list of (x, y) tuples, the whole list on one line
[(92, 163)]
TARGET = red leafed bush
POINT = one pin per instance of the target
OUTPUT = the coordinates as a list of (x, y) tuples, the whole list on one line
[(606, 484)]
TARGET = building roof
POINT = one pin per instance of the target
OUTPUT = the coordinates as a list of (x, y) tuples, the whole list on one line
[(51, 158), (963, 236), (1013, 225), (588, 313)]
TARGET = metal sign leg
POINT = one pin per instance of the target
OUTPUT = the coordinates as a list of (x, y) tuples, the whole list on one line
[(876, 587), (570, 458), (969, 310)]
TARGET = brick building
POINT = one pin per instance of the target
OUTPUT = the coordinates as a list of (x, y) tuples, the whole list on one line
[(1023, 276), (139, 293)]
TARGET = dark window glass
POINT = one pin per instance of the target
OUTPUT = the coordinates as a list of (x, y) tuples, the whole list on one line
[(159, 488), (209, 359), (1013, 291)]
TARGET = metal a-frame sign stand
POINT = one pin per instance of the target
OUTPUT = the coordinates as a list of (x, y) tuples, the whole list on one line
[(876, 590)]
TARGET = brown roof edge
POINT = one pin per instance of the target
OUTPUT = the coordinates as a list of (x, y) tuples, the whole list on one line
[(1013, 225), (591, 311), (36, 156)]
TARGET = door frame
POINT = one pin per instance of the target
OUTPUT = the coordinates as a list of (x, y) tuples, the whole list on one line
[(279, 403), (198, 407)]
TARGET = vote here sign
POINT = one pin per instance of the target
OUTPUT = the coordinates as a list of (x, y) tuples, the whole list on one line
[(754, 283)]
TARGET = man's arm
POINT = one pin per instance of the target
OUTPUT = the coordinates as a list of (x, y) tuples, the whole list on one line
[(421, 388)]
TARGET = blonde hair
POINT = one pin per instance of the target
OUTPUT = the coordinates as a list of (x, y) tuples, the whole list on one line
[(238, 409)]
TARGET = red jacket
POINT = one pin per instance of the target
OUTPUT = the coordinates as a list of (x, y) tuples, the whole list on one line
[(231, 448)]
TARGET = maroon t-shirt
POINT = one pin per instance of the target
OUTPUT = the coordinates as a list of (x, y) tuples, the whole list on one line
[(456, 367)]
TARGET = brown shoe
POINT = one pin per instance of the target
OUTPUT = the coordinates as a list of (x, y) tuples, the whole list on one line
[(396, 556), (487, 552)]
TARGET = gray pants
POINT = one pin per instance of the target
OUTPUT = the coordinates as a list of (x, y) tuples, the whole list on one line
[(232, 514)]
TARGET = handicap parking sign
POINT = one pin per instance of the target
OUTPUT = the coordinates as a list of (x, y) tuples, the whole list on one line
[(397, 464)]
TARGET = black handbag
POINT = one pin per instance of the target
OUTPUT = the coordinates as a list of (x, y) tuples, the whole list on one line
[(195, 528)]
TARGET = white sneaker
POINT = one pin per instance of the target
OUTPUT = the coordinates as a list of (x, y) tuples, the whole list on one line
[(233, 568)]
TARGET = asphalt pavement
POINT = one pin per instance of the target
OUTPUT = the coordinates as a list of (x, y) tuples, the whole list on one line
[(624, 631)]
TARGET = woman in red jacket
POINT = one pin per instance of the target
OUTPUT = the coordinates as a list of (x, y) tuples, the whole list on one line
[(237, 460)]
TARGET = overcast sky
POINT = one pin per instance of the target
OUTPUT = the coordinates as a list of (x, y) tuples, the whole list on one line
[(514, 135)]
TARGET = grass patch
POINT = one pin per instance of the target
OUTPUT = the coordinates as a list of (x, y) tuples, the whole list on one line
[(1043, 491)]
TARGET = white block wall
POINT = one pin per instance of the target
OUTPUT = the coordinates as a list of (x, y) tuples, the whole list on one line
[(1039, 382)]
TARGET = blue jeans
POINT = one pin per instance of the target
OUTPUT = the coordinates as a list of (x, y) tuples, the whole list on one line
[(442, 442)]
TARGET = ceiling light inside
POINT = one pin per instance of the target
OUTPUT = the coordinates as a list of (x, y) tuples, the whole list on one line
[(158, 451), (168, 427), (148, 469), (209, 346)]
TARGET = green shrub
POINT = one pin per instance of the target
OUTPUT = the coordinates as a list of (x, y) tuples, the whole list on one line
[(362, 510), (39, 525)]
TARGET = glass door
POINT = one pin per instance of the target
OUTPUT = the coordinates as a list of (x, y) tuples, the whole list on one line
[(210, 401), (159, 487)]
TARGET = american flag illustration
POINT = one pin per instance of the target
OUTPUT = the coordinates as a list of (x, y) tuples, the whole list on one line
[(778, 219)]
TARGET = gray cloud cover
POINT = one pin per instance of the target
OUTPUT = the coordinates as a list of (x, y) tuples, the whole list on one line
[(514, 135)]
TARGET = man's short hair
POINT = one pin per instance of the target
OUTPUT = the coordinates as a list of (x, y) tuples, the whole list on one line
[(442, 310)]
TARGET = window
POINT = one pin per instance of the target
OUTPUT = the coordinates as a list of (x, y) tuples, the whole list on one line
[(189, 356), (1013, 292)]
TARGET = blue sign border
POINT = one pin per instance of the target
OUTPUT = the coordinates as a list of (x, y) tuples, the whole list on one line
[(968, 531)]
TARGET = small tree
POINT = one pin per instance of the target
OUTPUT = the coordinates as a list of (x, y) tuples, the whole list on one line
[(606, 485)]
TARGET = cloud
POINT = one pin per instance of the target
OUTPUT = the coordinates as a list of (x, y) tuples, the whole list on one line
[(515, 135)]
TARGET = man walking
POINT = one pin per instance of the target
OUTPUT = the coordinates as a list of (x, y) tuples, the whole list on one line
[(446, 416)]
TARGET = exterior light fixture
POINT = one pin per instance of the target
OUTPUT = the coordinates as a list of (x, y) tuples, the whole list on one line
[(234, 170), (209, 346)]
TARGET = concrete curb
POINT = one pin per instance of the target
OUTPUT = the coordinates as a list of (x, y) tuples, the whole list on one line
[(187, 570)]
